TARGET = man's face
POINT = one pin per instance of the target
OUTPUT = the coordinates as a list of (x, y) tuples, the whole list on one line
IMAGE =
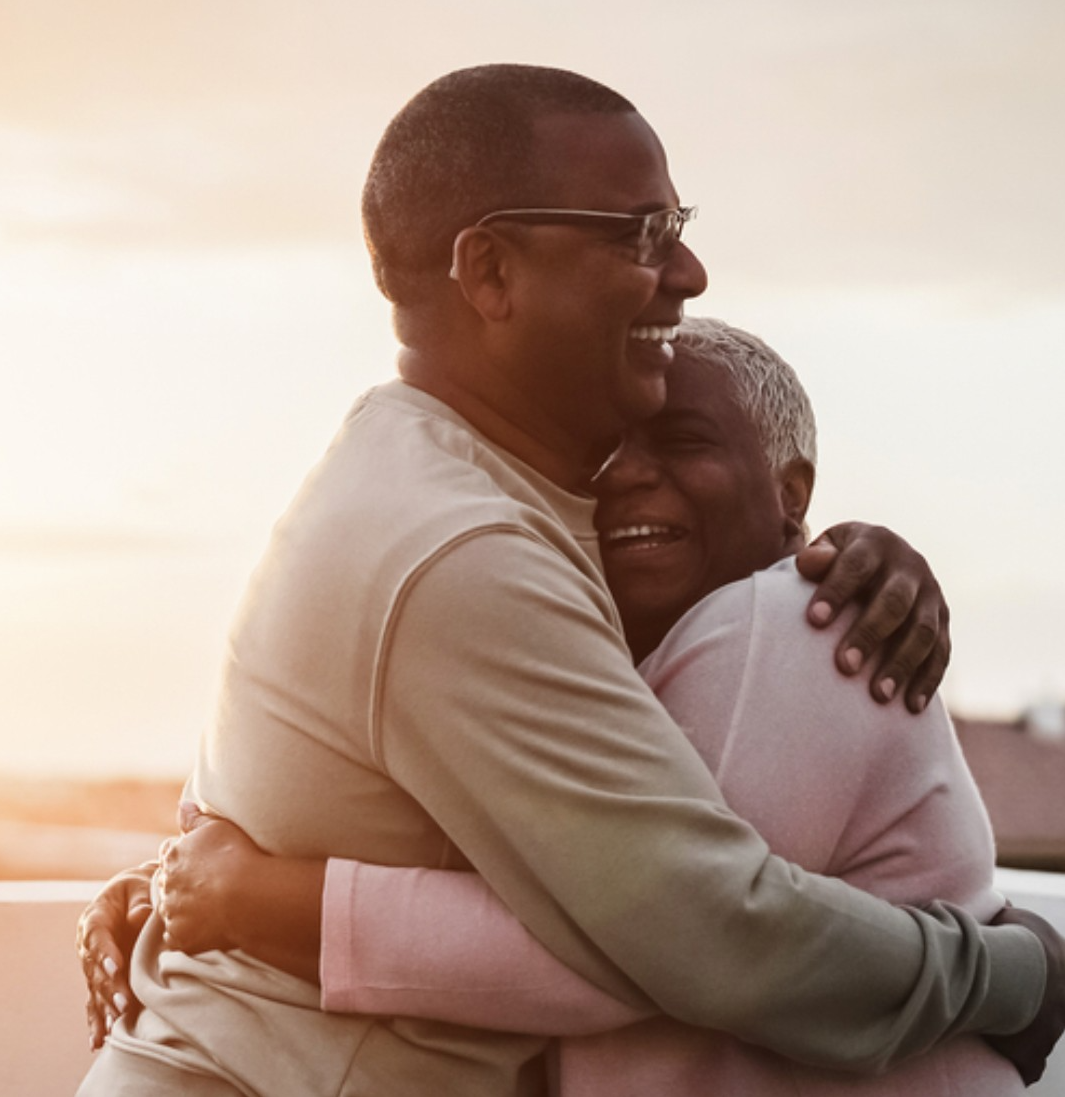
[(687, 503), (590, 322)]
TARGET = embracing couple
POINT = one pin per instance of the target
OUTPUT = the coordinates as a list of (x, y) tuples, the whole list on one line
[(479, 851)]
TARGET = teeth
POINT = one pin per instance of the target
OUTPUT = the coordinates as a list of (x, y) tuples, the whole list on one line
[(635, 531), (641, 538), (653, 333)]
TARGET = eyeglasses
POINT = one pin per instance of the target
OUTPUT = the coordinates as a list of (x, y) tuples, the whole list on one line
[(653, 234)]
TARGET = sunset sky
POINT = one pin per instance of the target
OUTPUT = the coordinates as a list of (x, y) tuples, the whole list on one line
[(186, 310)]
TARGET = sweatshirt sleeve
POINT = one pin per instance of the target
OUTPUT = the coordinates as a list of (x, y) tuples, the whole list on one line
[(440, 945), (505, 703)]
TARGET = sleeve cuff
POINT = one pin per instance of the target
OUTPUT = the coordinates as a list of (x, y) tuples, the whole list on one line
[(335, 960), (1017, 974)]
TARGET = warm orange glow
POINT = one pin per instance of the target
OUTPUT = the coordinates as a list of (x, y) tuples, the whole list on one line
[(186, 312)]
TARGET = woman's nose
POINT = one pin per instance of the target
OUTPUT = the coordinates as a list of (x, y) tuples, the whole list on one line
[(630, 466)]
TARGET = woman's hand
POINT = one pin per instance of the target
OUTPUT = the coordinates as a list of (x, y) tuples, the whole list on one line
[(904, 623), (107, 931)]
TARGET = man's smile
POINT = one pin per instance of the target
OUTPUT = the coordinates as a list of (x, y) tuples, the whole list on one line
[(654, 333), (656, 340)]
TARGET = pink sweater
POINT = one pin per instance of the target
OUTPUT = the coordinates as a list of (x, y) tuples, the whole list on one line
[(835, 783)]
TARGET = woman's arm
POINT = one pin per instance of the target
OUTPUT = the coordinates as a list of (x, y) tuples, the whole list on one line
[(107, 930), (441, 945), (398, 941)]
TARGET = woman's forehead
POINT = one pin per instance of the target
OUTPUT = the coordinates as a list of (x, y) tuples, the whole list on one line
[(696, 383)]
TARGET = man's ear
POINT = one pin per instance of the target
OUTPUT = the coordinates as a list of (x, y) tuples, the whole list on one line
[(480, 266), (795, 483)]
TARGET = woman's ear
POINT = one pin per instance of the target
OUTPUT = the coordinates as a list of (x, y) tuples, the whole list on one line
[(480, 266), (795, 483)]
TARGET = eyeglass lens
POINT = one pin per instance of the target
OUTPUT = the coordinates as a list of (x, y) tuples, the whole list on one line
[(662, 230)]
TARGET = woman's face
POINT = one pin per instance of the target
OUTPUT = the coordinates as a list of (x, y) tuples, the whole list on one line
[(687, 503)]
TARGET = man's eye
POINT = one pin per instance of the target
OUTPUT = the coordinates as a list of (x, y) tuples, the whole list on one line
[(630, 233)]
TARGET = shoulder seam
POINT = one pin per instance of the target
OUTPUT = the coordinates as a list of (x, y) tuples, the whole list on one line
[(402, 590)]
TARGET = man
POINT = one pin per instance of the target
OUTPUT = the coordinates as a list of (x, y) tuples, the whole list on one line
[(429, 661)]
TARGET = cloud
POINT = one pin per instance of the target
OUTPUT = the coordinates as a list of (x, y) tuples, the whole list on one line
[(192, 125), (897, 145), (169, 183), (903, 144)]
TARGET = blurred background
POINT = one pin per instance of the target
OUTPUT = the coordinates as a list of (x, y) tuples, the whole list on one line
[(186, 313)]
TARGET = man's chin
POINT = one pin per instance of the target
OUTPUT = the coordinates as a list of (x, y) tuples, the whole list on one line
[(645, 402), (648, 367)]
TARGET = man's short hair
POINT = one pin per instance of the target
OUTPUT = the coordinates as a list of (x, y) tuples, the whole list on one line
[(461, 148), (766, 388)]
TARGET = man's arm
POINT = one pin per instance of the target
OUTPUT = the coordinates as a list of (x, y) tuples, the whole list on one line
[(106, 938), (1029, 1050), (509, 711)]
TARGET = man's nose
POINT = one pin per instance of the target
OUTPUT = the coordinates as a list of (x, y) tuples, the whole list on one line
[(683, 273)]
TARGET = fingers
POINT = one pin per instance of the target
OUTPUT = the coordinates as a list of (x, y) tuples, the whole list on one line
[(902, 623), (905, 629), (928, 673), (816, 558), (100, 1009), (159, 901), (162, 894), (169, 899), (844, 574), (106, 933), (179, 925), (104, 967)]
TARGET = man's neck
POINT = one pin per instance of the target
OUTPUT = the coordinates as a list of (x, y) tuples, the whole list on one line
[(548, 452)]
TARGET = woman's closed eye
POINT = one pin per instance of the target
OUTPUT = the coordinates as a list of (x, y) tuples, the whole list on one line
[(684, 439)]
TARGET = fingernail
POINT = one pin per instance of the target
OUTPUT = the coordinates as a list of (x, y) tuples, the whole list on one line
[(108, 1022), (820, 612), (121, 1001), (110, 966), (921, 703), (852, 657), (887, 688)]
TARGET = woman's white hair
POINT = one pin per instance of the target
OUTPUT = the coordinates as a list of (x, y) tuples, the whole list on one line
[(766, 388)]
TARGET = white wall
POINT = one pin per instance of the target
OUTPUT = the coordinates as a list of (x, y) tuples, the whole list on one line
[(44, 1041)]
